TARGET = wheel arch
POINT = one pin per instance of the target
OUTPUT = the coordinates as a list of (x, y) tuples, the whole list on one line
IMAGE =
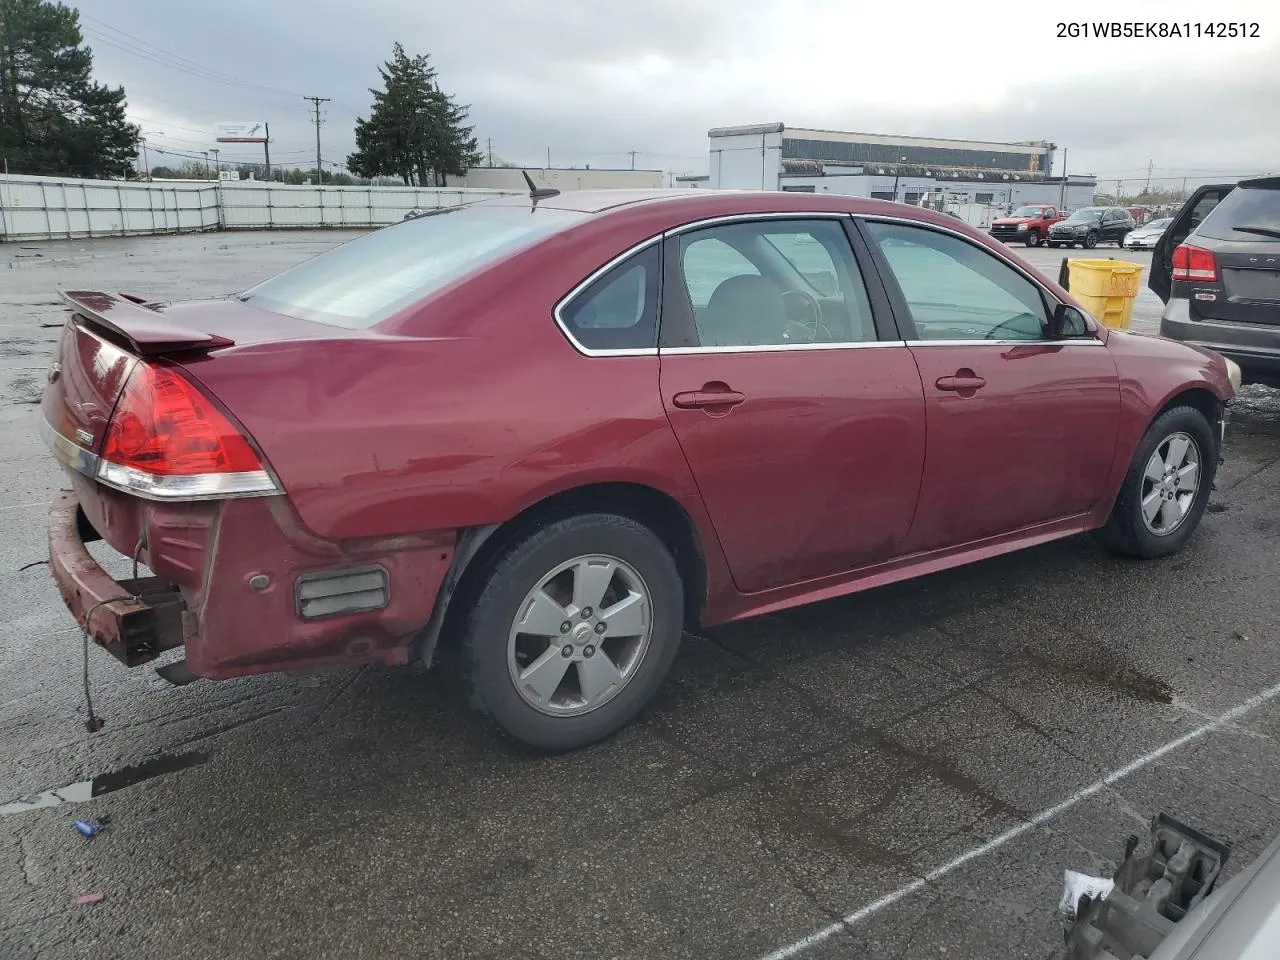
[(479, 547), (1198, 397)]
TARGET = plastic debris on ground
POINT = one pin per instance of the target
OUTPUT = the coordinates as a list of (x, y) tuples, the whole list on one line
[(1078, 885), (90, 898)]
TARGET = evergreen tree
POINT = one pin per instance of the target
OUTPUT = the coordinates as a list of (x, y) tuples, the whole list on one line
[(54, 119), (415, 131)]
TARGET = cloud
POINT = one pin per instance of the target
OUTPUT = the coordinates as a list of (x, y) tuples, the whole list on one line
[(594, 80)]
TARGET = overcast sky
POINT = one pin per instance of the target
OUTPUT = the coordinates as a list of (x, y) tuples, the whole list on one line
[(595, 79)]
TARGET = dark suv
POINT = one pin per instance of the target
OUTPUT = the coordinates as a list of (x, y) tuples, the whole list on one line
[(1217, 268), (1090, 226)]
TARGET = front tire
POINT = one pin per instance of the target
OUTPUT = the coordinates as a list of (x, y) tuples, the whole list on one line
[(1090, 241), (1165, 492), (1033, 238), (574, 631)]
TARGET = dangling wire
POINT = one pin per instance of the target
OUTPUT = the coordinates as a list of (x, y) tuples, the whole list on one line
[(93, 723)]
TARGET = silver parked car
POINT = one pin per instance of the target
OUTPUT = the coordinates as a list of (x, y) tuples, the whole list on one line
[(1148, 235)]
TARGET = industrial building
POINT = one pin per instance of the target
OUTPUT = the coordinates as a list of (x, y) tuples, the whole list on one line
[(773, 156), (561, 178)]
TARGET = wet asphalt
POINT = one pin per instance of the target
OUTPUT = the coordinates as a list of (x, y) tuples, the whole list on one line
[(794, 770)]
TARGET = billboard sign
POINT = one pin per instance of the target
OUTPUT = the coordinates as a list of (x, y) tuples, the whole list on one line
[(245, 131)]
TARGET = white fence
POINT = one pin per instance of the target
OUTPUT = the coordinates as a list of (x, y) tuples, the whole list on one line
[(53, 208)]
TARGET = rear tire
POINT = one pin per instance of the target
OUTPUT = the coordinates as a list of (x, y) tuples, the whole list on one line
[(1157, 481), (613, 666)]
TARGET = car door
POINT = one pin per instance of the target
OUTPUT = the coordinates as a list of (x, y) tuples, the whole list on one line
[(1114, 225), (1021, 428), (799, 409), (1192, 214)]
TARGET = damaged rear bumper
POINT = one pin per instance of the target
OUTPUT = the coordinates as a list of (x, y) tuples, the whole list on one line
[(135, 619)]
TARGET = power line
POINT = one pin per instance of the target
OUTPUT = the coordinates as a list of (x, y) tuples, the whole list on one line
[(149, 51)]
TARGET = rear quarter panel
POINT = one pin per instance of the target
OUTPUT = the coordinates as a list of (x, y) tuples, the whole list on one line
[(463, 410)]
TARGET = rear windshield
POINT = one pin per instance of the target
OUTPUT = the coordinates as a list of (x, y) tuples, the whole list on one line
[(1255, 207), (368, 279)]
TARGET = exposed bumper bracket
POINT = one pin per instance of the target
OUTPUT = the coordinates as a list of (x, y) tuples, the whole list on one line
[(134, 630)]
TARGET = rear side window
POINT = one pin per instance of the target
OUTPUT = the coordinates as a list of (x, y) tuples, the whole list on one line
[(619, 310), (1246, 213), (368, 279)]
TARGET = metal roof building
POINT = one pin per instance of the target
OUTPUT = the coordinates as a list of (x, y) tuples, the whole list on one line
[(773, 156)]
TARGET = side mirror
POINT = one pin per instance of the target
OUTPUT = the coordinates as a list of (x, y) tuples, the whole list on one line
[(1067, 321)]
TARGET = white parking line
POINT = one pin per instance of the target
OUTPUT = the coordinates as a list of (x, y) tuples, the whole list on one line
[(798, 947), (23, 506)]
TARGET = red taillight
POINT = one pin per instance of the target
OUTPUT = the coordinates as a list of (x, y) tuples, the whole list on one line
[(1194, 265), (167, 440)]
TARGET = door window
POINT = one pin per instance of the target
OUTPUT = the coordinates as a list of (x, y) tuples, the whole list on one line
[(769, 283), (955, 291), (619, 311)]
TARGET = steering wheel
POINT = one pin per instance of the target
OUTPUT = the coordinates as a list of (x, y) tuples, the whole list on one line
[(993, 333), (811, 326)]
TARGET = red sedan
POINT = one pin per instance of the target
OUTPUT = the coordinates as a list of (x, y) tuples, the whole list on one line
[(560, 431)]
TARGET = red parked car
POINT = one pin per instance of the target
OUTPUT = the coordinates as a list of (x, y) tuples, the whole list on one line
[(561, 431)]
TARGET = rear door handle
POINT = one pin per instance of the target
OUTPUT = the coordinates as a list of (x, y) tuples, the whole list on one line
[(962, 382), (701, 399)]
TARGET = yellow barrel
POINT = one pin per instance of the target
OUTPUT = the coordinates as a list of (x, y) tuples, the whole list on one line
[(1106, 288)]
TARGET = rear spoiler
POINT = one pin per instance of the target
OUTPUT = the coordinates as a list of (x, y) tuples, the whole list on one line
[(145, 328)]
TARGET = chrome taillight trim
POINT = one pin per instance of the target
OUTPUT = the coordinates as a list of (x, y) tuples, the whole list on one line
[(149, 486), (197, 486)]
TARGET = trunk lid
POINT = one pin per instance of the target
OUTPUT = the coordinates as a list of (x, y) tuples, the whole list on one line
[(107, 334)]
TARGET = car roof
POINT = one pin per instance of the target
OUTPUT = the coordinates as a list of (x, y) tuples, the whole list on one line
[(690, 203)]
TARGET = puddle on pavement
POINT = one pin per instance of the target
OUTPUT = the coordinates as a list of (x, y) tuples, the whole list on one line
[(84, 790)]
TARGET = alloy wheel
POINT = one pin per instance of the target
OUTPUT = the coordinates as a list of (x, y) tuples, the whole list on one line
[(580, 635), (1170, 484)]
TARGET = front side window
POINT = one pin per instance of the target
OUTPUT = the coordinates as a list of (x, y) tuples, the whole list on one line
[(619, 310), (767, 283), (956, 291)]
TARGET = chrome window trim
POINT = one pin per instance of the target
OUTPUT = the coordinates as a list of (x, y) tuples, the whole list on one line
[(1052, 298), (739, 217), (784, 347), (1068, 342), (558, 310)]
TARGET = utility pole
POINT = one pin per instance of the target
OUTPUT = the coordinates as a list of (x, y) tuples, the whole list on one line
[(633, 159), (316, 101), (548, 158), (1147, 188), (266, 148), (1062, 195), (1119, 189), (206, 162), (217, 169), (491, 151), (1184, 188)]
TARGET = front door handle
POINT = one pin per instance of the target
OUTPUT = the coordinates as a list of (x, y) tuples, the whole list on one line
[(964, 382), (711, 396)]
